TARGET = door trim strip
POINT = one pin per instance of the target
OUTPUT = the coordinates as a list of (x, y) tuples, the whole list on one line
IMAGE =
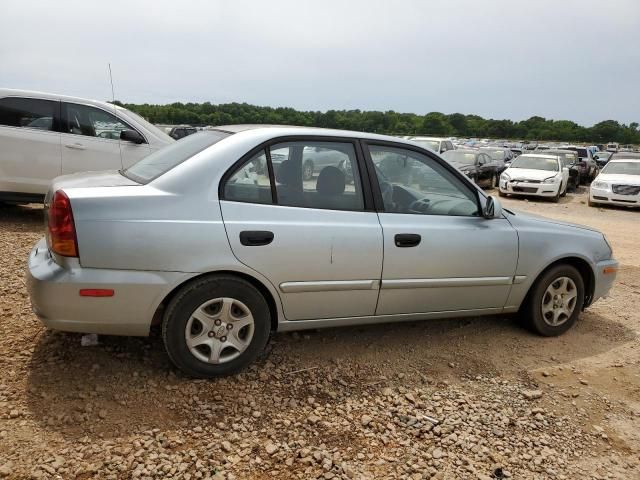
[(328, 286), (445, 282)]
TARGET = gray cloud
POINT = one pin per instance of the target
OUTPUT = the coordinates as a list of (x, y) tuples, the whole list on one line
[(567, 59)]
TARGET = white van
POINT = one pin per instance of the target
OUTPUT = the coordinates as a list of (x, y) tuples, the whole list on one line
[(44, 135)]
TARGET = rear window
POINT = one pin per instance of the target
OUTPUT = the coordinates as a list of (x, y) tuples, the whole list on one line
[(160, 162)]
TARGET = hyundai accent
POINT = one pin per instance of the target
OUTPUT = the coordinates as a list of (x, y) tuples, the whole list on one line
[(208, 240)]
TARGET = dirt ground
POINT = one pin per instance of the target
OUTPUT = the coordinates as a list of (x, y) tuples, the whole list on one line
[(463, 398)]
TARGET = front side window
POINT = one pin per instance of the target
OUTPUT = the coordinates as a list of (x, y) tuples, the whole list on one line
[(27, 113), (414, 183), (92, 122)]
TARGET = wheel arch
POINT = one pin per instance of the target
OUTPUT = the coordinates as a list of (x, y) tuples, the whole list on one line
[(259, 285), (583, 267)]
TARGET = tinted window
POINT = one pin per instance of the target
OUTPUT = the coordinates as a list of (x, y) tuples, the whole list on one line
[(250, 183), (414, 183), (163, 160), (317, 175), (27, 112), (92, 122)]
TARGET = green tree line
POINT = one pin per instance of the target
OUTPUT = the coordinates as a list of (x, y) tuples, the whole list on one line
[(390, 122)]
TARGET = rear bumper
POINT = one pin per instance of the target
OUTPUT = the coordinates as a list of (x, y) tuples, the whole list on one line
[(605, 276), (55, 298)]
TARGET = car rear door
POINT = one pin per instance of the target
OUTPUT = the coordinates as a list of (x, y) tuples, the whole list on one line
[(439, 253), (317, 240), (29, 144)]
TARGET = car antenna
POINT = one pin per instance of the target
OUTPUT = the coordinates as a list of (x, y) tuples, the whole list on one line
[(115, 114)]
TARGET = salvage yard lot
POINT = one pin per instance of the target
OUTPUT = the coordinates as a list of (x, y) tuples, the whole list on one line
[(434, 399)]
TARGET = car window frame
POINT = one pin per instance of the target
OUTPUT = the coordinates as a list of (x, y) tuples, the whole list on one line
[(365, 181), (64, 128), (375, 186), (57, 114)]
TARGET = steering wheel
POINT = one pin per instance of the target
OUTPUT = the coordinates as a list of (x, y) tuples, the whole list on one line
[(420, 206)]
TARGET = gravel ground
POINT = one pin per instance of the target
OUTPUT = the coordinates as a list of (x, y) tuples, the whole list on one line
[(472, 398)]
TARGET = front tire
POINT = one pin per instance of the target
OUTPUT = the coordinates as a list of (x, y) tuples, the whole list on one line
[(216, 326), (555, 301)]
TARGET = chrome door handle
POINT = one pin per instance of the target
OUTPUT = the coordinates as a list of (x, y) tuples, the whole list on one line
[(75, 146)]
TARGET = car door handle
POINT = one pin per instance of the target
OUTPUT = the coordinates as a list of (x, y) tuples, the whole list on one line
[(75, 146), (256, 238), (404, 240)]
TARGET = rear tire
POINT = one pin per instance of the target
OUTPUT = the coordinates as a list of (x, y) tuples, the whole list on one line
[(539, 312), (307, 170), (208, 352)]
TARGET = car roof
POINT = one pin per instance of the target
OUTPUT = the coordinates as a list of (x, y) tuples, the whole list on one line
[(625, 156), (465, 150), (560, 150), (538, 155), (420, 137), (287, 130), (10, 92)]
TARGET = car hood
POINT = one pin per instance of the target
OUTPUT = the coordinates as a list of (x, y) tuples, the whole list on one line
[(530, 217), (462, 166), (619, 178), (528, 173)]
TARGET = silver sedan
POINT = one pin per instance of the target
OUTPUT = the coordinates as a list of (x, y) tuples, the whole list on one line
[(219, 244)]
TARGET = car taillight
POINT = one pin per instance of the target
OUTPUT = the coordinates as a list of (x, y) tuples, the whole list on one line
[(62, 231)]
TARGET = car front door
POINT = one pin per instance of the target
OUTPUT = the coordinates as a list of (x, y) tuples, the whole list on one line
[(91, 140), (440, 254), (318, 240), (485, 170), (29, 144)]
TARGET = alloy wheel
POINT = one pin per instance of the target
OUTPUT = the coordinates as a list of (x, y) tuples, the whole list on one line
[(559, 301), (219, 330)]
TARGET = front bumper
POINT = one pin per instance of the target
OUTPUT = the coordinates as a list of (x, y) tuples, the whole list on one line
[(55, 296), (517, 187), (605, 276), (600, 195)]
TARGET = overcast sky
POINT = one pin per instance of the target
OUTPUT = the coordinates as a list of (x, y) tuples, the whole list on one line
[(561, 59)]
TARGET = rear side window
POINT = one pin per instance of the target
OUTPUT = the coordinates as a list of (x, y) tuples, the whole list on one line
[(163, 160), (308, 174), (250, 183), (27, 112)]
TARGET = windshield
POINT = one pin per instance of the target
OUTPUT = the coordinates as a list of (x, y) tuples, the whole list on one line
[(149, 126), (431, 144), (163, 160), (582, 152), (568, 158), (622, 168), (535, 163), (496, 154), (456, 156)]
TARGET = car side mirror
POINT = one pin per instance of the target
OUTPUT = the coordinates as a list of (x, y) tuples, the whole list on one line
[(131, 136), (492, 208)]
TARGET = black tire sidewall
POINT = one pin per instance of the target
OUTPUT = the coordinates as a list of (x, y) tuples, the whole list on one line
[(191, 297), (536, 319)]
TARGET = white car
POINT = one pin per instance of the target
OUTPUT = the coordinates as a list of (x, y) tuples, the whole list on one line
[(44, 135), (438, 145), (618, 183), (535, 174)]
